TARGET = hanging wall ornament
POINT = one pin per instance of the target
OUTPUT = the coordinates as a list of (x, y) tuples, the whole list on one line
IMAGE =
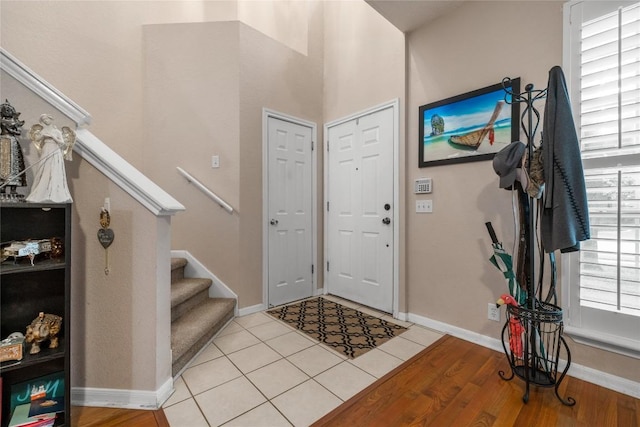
[(105, 236), (12, 169)]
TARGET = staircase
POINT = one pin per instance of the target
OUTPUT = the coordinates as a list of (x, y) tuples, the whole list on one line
[(195, 318)]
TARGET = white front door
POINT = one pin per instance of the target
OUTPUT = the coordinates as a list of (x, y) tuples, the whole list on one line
[(360, 209), (289, 212)]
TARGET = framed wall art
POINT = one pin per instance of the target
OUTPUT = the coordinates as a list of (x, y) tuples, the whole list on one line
[(469, 127)]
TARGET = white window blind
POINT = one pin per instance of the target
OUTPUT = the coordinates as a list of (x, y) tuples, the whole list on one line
[(604, 277)]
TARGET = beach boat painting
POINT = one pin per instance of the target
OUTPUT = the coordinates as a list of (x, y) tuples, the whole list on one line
[(469, 127), (472, 140)]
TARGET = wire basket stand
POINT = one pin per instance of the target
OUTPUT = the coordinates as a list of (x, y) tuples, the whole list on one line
[(533, 343), (532, 335)]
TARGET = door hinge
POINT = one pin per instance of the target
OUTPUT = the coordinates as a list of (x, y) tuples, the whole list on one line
[(312, 269), (327, 206), (312, 145), (327, 145), (327, 265)]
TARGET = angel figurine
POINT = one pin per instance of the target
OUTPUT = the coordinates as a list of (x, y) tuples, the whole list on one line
[(54, 147)]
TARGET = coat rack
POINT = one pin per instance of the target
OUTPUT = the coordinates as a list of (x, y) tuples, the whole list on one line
[(532, 335)]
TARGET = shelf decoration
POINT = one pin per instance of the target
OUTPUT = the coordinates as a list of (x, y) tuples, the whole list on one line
[(54, 146), (12, 168), (42, 328)]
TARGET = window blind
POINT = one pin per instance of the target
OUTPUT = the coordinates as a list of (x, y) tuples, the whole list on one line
[(610, 136)]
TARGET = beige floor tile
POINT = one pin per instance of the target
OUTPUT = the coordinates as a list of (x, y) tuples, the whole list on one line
[(390, 318), (269, 330), (401, 348), (277, 378), (265, 415), (376, 362), (421, 335), (229, 400), (209, 353), (254, 357), (332, 298), (290, 343), (314, 360), (306, 403), (185, 413), (345, 380), (236, 341), (180, 393), (231, 328), (254, 319), (210, 374)]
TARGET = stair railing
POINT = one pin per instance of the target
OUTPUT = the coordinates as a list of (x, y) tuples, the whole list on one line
[(213, 196)]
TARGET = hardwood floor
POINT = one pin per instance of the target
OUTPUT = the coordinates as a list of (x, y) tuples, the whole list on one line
[(83, 416), (451, 383), (455, 383)]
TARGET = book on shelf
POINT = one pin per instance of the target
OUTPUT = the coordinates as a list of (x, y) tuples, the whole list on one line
[(21, 418), (34, 403)]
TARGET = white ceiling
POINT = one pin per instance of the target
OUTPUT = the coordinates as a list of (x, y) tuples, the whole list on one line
[(407, 15)]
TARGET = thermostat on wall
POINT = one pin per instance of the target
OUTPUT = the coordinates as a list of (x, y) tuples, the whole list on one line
[(422, 186)]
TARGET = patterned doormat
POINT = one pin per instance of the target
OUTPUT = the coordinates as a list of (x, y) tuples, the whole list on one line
[(345, 329)]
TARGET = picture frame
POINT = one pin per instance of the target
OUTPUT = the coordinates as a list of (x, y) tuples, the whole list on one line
[(469, 127)]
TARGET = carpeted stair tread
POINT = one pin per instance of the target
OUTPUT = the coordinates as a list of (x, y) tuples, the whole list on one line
[(186, 288), (177, 268), (194, 329)]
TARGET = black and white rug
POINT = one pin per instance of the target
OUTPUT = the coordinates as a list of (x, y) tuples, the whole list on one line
[(348, 331)]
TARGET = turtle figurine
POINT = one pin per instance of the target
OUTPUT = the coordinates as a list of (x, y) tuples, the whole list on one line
[(42, 328)]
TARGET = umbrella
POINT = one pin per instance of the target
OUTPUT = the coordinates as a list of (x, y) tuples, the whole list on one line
[(503, 262)]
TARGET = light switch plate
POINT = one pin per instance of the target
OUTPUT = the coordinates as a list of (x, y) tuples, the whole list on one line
[(215, 161), (424, 206)]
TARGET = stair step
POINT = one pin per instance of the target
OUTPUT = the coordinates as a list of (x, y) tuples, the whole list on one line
[(187, 293), (177, 268), (191, 332)]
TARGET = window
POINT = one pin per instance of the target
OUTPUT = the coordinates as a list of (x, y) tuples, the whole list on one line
[(601, 283)]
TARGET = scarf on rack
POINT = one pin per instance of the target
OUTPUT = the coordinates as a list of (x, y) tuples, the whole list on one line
[(565, 215)]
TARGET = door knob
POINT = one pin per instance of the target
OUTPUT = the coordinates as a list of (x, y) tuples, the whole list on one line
[(274, 222), (386, 220)]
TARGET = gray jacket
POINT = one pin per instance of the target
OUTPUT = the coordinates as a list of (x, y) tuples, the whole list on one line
[(565, 215)]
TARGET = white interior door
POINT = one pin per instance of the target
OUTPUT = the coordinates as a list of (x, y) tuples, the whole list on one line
[(290, 190), (360, 209)]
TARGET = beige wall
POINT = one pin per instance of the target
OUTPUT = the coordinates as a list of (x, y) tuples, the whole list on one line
[(207, 85), (364, 59), (449, 277), (191, 113)]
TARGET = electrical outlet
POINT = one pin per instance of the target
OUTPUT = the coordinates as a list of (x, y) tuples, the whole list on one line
[(493, 312)]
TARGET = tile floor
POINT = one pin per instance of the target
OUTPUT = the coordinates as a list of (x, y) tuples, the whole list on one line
[(259, 371)]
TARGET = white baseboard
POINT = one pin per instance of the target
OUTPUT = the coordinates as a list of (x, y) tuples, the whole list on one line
[(117, 398), (464, 334), (252, 309), (195, 268), (603, 379)]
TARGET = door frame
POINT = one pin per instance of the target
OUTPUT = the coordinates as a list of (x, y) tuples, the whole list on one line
[(266, 115), (395, 106)]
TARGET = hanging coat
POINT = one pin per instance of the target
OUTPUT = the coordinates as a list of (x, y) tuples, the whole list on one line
[(565, 215)]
